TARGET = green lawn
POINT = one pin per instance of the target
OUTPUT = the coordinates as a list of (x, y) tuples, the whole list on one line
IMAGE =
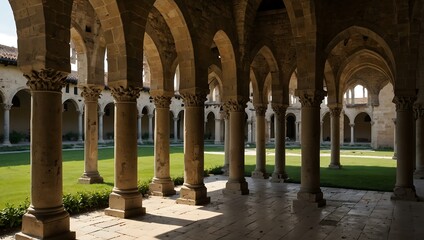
[(357, 173)]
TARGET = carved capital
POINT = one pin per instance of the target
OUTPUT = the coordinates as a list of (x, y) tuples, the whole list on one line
[(404, 103), (260, 110), (194, 100), (418, 110), (7, 106), (279, 109), (91, 94), (122, 94), (101, 114), (224, 114), (235, 105), (335, 112), (162, 101), (46, 80), (311, 98)]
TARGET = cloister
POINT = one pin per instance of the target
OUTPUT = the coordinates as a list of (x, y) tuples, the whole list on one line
[(268, 70)]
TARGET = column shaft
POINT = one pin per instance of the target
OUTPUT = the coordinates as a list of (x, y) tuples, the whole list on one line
[(226, 167), (419, 171), (193, 192), (91, 173), (404, 188), (150, 127), (280, 173), (139, 128), (6, 124), (175, 129), (236, 182), (125, 201), (46, 216), (335, 138), (101, 114), (352, 134), (310, 191), (218, 131), (260, 170), (80, 120), (162, 184)]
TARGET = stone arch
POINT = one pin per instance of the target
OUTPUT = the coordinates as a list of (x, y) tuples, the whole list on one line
[(228, 63), (73, 102), (363, 127), (70, 115), (180, 30), (20, 115), (155, 65), (49, 50), (123, 24), (14, 92)]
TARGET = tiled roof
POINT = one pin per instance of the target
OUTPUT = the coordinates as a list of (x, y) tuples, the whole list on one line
[(8, 54)]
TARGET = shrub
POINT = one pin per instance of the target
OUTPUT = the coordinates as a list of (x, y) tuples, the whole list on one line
[(16, 137), (11, 216), (70, 136), (143, 187), (178, 181), (85, 201)]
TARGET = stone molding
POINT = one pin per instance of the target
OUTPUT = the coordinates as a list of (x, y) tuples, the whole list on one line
[(7, 106), (260, 110), (279, 109), (335, 112), (235, 105), (404, 103), (91, 94), (162, 101), (194, 100), (311, 98), (46, 80), (122, 94)]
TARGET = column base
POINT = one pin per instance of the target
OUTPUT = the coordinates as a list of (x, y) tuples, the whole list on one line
[(259, 174), (394, 156), (238, 188), (125, 205), (419, 174), (7, 144), (404, 194), (90, 178), (305, 199), (193, 195), (46, 225), (335, 166), (278, 177), (162, 187)]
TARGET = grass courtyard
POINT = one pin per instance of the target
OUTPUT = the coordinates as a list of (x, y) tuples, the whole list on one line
[(362, 169)]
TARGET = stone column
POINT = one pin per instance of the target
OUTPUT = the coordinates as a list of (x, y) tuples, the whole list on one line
[(91, 173), (218, 131), (352, 133), (419, 155), (226, 168), (335, 137), (280, 173), (80, 116), (268, 127), (139, 128), (6, 124), (260, 170), (46, 216), (150, 127), (176, 129), (310, 192), (321, 130), (236, 182), (125, 201), (394, 141), (162, 184), (249, 132), (404, 188), (101, 114), (193, 192), (298, 131)]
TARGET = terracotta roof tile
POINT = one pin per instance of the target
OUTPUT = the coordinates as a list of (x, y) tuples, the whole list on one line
[(9, 53)]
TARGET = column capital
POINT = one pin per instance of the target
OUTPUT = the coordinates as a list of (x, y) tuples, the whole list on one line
[(352, 125), (235, 105), (150, 115), (162, 101), (335, 111), (279, 109), (404, 103), (91, 93), (311, 97), (7, 106), (418, 110), (194, 99), (260, 109), (125, 94), (46, 80), (176, 118), (101, 113)]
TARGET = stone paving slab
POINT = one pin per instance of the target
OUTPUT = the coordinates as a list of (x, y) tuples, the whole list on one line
[(266, 213)]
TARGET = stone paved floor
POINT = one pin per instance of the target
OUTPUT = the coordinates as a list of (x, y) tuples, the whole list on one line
[(266, 213)]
